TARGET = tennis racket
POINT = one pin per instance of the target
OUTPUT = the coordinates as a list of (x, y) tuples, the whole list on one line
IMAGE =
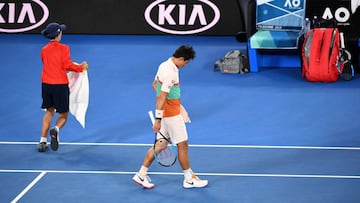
[(345, 67), (164, 150)]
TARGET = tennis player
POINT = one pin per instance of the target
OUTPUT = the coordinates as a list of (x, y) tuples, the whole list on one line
[(56, 61), (168, 117)]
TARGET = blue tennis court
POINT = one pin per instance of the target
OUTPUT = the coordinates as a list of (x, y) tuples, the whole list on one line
[(260, 137)]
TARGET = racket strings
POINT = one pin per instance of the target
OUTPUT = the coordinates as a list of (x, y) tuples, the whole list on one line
[(165, 155)]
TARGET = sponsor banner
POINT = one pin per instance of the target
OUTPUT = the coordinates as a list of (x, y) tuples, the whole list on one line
[(339, 10), (178, 17), (280, 14), (22, 16)]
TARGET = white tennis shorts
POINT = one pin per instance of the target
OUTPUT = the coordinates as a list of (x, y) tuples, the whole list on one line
[(174, 128)]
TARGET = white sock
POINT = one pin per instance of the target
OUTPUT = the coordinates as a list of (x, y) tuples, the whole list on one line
[(43, 139), (56, 128), (143, 171), (188, 174)]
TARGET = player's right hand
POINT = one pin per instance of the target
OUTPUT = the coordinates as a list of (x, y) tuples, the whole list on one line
[(157, 125)]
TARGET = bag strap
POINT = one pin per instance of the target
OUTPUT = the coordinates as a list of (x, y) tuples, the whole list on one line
[(332, 42), (227, 55), (218, 64)]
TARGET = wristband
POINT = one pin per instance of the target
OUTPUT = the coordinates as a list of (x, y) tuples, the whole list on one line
[(158, 119), (159, 113)]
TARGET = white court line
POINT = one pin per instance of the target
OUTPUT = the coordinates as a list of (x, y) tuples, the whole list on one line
[(196, 145), (17, 198), (200, 174)]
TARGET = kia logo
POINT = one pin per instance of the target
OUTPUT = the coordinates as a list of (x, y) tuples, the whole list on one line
[(21, 17), (182, 18)]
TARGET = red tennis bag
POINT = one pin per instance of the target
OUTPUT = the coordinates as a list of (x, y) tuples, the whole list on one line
[(320, 55)]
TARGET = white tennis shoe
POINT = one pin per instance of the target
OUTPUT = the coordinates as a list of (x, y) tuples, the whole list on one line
[(144, 181), (195, 182)]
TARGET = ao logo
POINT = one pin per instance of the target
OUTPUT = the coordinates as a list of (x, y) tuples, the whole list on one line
[(292, 4), (341, 14), (182, 15), (17, 19)]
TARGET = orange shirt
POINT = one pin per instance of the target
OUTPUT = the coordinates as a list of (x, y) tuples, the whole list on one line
[(56, 62)]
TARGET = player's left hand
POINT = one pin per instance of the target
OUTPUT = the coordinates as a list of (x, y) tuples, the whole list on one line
[(85, 65)]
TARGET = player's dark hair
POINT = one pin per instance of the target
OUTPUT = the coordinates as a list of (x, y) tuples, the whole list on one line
[(184, 51)]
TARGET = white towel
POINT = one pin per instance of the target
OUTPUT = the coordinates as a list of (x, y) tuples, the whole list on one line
[(79, 95), (184, 114), (354, 5)]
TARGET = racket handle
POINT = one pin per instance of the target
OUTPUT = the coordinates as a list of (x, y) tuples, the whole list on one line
[(152, 118), (342, 41)]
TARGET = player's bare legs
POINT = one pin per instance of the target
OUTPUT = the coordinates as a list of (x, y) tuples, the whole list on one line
[(191, 180), (149, 158), (49, 114), (141, 177), (60, 122), (54, 132), (183, 155)]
